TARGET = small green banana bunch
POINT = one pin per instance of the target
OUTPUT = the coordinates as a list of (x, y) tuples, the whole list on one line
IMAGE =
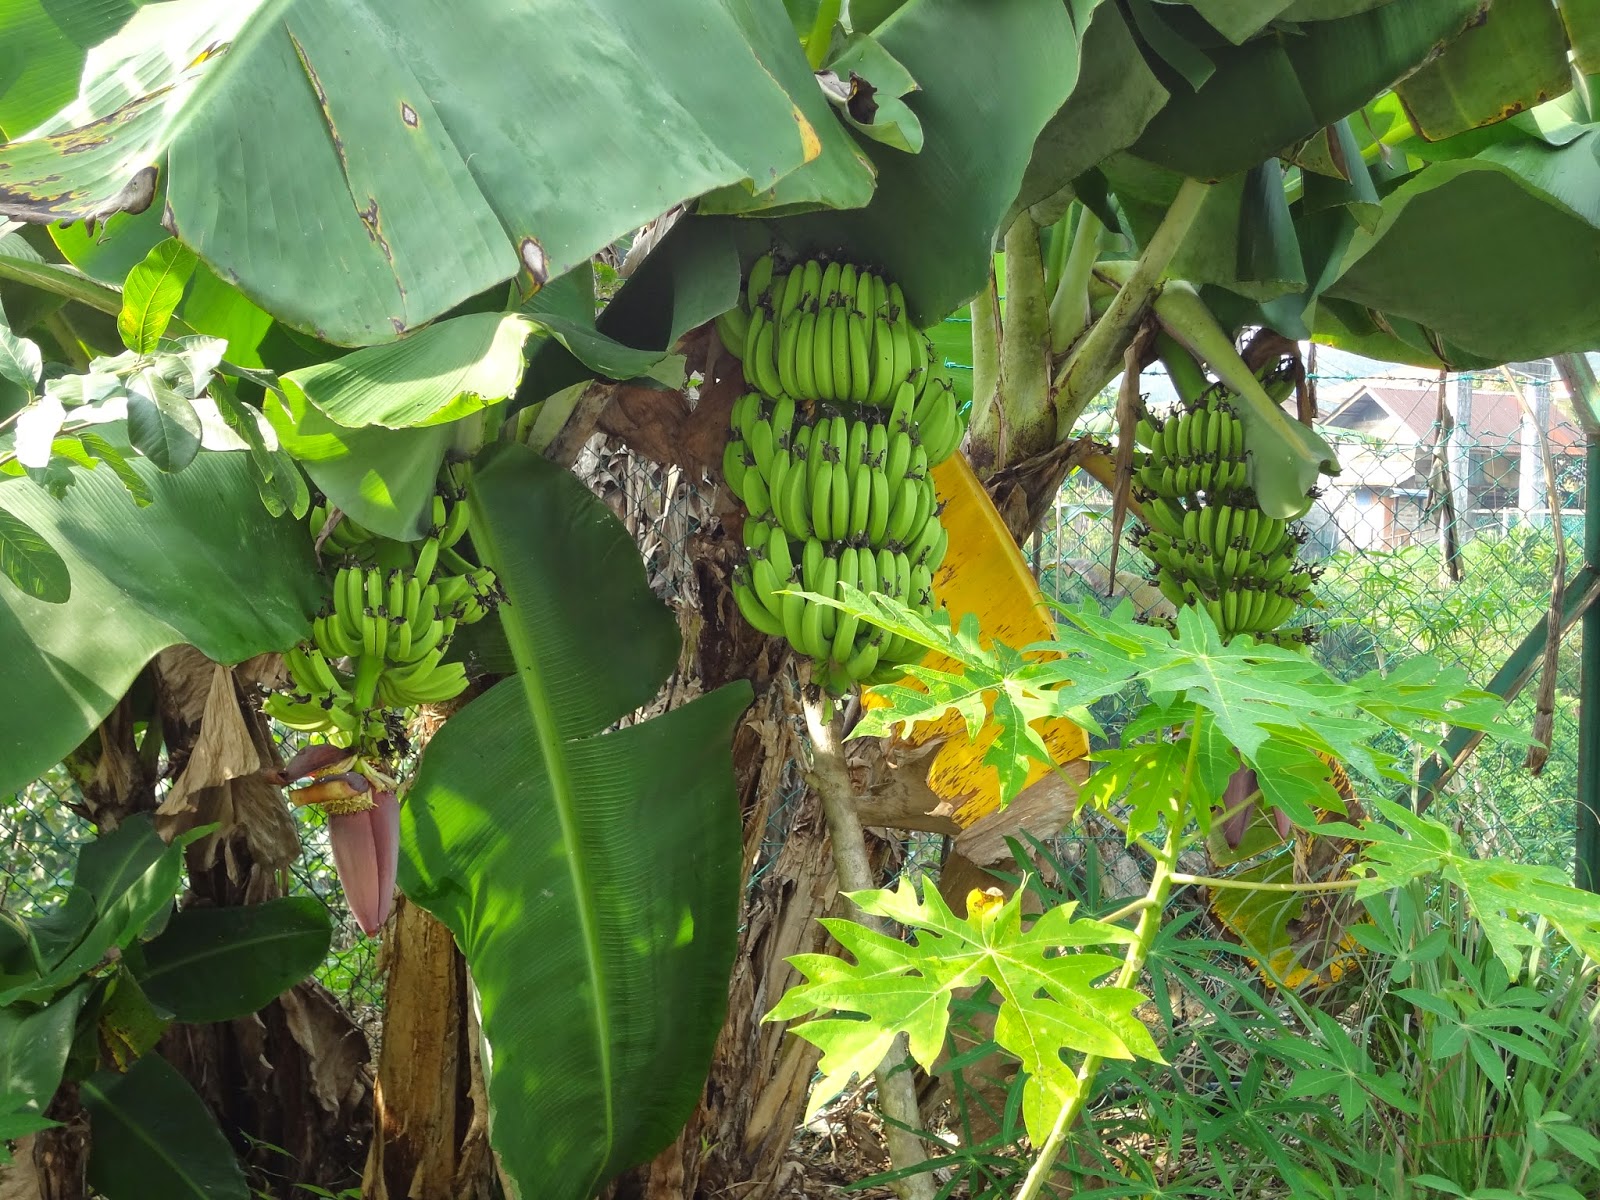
[(380, 645), (834, 333), (1211, 545), (832, 456)]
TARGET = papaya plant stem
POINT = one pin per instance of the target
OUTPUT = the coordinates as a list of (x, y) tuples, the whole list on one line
[(821, 35), (1099, 355), (897, 1095), (1144, 937), (1069, 306), (1247, 885)]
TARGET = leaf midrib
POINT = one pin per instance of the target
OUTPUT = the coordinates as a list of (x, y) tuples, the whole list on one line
[(556, 766)]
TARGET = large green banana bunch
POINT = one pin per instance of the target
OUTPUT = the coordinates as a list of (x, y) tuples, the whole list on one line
[(1211, 545), (379, 646), (831, 455)]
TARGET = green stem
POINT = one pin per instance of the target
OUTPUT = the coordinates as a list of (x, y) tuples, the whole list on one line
[(1212, 881), (1069, 306), (71, 346), (1098, 357), (1055, 259), (821, 35), (985, 424), (1024, 392), (1144, 937)]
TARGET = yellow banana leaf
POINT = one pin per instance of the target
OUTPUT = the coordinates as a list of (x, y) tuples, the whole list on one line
[(983, 573)]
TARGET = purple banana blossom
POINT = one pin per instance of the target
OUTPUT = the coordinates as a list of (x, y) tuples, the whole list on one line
[(1242, 784), (366, 853)]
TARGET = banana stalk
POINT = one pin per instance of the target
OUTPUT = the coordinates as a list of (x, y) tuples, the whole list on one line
[(1098, 356), (1070, 311), (986, 371), (1024, 358), (1286, 456)]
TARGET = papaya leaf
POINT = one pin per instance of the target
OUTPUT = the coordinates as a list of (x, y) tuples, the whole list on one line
[(1279, 709), (1502, 894), (591, 878), (1050, 1002)]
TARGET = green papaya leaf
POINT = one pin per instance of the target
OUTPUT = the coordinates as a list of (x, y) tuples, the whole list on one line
[(590, 877), (154, 1139), (432, 377), (203, 565), (30, 562), (214, 964), (1050, 1002), (151, 294)]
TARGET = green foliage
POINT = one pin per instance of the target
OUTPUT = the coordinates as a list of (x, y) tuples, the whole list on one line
[(1050, 1002), (1207, 702), (590, 877), (204, 565), (1499, 893), (151, 294), (215, 964), (97, 979), (154, 1138)]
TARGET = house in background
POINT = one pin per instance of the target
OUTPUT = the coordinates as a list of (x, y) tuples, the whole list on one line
[(1387, 435)]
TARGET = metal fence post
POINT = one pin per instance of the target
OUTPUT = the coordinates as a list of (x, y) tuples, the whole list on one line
[(1585, 397), (1586, 860)]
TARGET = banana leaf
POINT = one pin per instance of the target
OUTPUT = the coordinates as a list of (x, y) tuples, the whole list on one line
[(202, 564), (590, 874), (431, 151)]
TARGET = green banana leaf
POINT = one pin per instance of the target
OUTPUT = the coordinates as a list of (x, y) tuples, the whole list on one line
[(591, 878), (203, 564), (437, 375), (992, 76), (383, 478), (1494, 253), (441, 149), (1282, 86), (1115, 97), (1514, 58), (42, 46)]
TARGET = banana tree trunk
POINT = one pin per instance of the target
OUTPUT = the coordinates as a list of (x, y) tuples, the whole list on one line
[(289, 1084)]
